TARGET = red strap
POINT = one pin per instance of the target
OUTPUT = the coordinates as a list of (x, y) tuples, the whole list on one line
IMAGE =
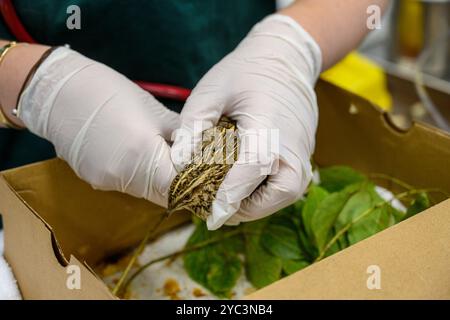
[(13, 22)]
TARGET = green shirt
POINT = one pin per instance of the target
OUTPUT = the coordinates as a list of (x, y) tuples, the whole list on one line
[(167, 41)]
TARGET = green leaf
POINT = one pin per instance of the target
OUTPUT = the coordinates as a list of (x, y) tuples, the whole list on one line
[(292, 266), (235, 244), (327, 212), (298, 206), (315, 196), (332, 250), (342, 242), (392, 213), (356, 205), (195, 262), (368, 212), (224, 271), (419, 204), (262, 268), (397, 215), (296, 210), (217, 267), (377, 220), (336, 178), (307, 245), (280, 238)]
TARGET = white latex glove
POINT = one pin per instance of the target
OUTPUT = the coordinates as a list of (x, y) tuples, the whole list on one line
[(110, 131), (265, 83), (8, 284)]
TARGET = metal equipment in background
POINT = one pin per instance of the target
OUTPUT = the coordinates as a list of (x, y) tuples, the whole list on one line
[(414, 46)]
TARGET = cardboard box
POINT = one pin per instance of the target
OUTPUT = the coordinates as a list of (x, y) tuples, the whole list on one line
[(53, 220)]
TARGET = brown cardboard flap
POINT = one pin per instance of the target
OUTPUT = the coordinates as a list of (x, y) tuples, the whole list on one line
[(87, 223), (353, 132), (30, 250), (413, 259)]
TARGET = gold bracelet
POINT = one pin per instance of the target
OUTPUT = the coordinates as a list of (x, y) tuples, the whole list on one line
[(6, 48), (3, 119)]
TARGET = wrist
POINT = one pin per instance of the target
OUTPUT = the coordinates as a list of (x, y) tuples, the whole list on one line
[(14, 69)]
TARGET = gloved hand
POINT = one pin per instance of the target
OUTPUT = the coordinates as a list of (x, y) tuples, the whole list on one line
[(111, 132), (266, 85)]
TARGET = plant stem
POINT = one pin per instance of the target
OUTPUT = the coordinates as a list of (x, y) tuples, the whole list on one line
[(391, 179), (138, 251), (403, 184), (366, 213), (417, 191), (180, 252)]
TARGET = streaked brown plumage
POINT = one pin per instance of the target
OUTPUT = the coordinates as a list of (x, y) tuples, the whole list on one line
[(195, 187)]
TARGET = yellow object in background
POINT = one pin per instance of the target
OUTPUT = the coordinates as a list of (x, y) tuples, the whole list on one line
[(363, 77), (411, 36)]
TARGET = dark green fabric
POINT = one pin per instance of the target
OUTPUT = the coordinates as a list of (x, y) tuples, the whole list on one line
[(168, 41), (4, 32)]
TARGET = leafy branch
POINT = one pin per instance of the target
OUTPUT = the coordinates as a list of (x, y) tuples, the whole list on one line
[(347, 227)]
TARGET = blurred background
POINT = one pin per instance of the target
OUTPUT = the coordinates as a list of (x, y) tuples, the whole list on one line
[(404, 67), (413, 48)]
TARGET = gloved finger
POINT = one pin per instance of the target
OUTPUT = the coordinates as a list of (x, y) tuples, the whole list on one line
[(163, 172), (130, 147), (279, 191), (254, 164), (141, 174), (172, 122), (240, 182), (233, 221), (202, 111), (167, 120)]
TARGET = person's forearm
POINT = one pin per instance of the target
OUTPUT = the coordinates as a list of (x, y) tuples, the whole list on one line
[(14, 69), (337, 25)]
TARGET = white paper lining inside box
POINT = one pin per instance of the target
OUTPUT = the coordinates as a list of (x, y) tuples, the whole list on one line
[(168, 279)]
